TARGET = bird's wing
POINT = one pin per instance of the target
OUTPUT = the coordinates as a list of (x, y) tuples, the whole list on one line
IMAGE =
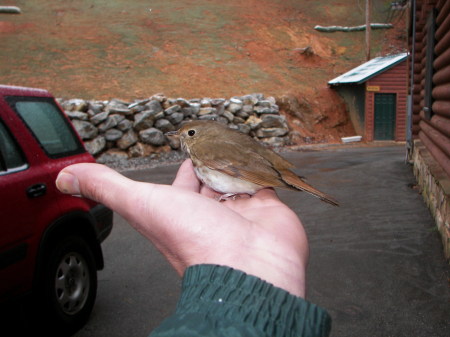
[(293, 180), (240, 162)]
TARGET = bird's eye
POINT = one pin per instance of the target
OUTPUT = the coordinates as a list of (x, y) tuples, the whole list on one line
[(191, 133)]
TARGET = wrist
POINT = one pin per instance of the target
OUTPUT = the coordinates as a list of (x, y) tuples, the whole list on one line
[(280, 271)]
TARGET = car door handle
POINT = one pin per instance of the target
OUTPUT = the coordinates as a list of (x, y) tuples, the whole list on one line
[(36, 190)]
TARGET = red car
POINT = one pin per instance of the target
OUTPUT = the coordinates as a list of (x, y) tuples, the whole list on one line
[(49, 242)]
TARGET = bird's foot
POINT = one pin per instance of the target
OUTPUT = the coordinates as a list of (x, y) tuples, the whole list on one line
[(230, 196), (227, 196)]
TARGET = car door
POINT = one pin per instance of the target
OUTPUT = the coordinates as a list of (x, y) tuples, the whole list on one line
[(36, 143), (23, 191)]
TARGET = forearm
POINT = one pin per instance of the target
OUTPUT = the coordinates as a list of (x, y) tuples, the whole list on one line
[(221, 301)]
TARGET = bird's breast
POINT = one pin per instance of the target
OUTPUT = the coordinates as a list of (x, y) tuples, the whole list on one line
[(224, 183)]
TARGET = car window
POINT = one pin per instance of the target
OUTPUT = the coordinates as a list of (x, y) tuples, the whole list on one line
[(48, 125), (11, 157)]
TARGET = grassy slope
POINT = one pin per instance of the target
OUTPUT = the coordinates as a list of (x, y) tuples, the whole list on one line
[(104, 48), (188, 48)]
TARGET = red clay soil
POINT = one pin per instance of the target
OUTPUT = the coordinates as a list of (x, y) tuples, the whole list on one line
[(188, 48)]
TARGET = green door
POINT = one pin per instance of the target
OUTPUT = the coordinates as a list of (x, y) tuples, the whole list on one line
[(384, 128)]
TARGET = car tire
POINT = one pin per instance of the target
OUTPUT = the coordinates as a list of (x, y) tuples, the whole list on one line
[(68, 285)]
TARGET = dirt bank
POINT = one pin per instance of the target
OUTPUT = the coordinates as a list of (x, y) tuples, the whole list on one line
[(186, 48)]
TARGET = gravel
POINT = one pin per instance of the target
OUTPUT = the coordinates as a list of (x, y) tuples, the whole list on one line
[(140, 163)]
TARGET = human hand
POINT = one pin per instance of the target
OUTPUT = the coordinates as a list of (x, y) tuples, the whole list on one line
[(258, 235)]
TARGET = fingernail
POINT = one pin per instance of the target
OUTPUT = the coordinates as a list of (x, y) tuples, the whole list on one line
[(68, 183)]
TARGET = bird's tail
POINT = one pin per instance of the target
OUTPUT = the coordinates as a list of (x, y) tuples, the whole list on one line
[(291, 179)]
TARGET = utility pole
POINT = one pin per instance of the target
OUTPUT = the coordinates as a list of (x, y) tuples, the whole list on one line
[(368, 6)]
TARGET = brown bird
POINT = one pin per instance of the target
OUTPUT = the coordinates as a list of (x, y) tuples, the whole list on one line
[(232, 163)]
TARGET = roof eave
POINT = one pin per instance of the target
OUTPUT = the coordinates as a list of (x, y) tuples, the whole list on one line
[(335, 81)]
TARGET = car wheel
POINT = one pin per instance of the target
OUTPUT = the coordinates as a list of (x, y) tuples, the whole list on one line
[(69, 284)]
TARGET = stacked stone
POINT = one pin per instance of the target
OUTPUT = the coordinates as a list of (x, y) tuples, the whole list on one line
[(123, 129)]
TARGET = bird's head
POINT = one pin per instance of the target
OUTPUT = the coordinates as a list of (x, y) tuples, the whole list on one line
[(195, 132)]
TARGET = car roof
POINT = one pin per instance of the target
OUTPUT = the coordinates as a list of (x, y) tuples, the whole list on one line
[(10, 90)]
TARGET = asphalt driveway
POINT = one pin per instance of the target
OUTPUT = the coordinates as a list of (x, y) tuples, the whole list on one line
[(376, 261)]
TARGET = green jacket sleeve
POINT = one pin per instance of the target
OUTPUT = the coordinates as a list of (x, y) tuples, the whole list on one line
[(223, 302)]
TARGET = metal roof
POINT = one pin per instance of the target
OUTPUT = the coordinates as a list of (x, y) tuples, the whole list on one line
[(369, 69)]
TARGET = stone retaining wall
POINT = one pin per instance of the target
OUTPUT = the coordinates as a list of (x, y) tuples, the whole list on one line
[(136, 129), (435, 186)]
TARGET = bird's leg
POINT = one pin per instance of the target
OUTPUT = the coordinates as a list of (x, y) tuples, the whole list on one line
[(227, 196), (232, 196)]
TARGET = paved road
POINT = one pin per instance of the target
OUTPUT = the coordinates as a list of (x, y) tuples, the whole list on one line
[(376, 262)]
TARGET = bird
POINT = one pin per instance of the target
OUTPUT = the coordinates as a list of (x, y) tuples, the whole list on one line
[(233, 163)]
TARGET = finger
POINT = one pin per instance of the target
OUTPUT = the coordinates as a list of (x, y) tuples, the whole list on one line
[(266, 194), (96, 182), (132, 200), (186, 178), (209, 192)]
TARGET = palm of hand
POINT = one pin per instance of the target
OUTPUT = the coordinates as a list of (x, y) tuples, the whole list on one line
[(253, 233)]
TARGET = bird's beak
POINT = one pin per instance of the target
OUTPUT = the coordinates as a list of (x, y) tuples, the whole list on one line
[(171, 133)]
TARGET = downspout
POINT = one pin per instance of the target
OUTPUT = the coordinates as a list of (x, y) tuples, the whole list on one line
[(409, 140)]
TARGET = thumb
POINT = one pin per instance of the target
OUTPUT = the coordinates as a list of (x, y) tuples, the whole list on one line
[(96, 182)]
